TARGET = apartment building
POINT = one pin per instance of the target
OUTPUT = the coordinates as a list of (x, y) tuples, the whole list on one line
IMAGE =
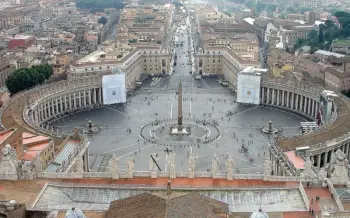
[(291, 35), (141, 26), (224, 62), (133, 61), (341, 46), (5, 70)]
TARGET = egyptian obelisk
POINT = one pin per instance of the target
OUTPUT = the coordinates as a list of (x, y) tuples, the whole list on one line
[(179, 109)]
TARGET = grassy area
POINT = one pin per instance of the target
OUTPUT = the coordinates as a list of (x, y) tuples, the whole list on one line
[(342, 41)]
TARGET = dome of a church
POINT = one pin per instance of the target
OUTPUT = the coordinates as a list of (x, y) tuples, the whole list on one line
[(75, 213), (259, 214)]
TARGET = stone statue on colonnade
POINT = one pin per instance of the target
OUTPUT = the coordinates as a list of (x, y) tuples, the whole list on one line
[(113, 166)]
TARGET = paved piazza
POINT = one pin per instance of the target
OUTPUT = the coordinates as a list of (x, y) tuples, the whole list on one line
[(211, 102), (156, 102)]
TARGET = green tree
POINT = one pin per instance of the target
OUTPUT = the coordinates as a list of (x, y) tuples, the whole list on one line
[(320, 36), (260, 7), (26, 78), (282, 16), (304, 9), (312, 34), (102, 20), (271, 8)]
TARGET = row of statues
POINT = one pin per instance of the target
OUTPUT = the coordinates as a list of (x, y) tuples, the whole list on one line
[(171, 165)]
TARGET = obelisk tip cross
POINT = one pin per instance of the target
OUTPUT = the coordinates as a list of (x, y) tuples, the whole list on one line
[(179, 110)]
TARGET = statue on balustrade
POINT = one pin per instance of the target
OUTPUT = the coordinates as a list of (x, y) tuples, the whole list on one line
[(130, 162), (307, 172), (79, 164), (267, 167), (229, 168), (171, 164), (215, 166), (113, 166), (9, 163), (191, 164), (338, 168)]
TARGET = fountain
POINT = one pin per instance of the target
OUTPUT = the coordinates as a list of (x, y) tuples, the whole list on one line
[(90, 128)]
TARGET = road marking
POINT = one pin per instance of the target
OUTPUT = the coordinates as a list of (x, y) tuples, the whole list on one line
[(140, 112), (235, 156), (171, 110), (190, 108), (125, 114), (121, 148), (135, 150), (222, 112), (287, 112), (240, 113)]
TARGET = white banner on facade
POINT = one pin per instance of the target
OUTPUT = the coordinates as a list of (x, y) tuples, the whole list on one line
[(113, 89), (248, 89)]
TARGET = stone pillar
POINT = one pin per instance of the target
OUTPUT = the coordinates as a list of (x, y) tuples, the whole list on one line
[(90, 97), (101, 99), (316, 109), (313, 108), (318, 160), (292, 101), (60, 100), (80, 101), (278, 97), (70, 102), (296, 102), (63, 101), (283, 103), (45, 112), (94, 95), (273, 97), (288, 100), (309, 107), (75, 100), (305, 104), (268, 96)]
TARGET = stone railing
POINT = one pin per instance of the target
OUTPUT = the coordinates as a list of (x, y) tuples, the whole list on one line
[(304, 195), (335, 194), (147, 174)]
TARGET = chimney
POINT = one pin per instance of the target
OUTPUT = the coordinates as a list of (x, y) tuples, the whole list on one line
[(168, 190)]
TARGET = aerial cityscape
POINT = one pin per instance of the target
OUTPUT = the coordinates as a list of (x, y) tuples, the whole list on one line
[(157, 108)]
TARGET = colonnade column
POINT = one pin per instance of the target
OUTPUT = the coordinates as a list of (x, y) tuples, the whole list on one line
[(80, 102), (305, 104), (75, 100), (296, 102), (278, 97), (90, 97), (101, 100), (319, 160), (309, 107), (94, 95), (63, 99), (292, 100), (313, 108), (45, 116), (283, 103), (288, 100), (268, 96), (273, 97)]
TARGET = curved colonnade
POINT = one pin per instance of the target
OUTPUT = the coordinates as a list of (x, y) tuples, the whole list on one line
[(51, 101)]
